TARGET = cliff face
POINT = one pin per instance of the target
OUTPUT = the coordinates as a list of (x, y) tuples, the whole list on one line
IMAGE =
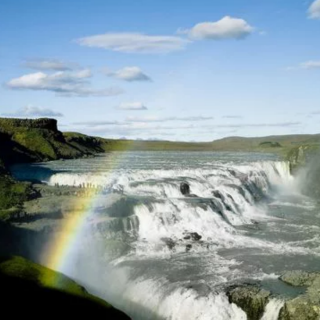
[(38, 140), (34, 141), (304, 162), (42, 123)]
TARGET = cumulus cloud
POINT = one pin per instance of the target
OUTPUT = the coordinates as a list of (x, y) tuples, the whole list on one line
[(62, 83), (129, 74), (132, 106), (134, 42), (165, 119), (226, 28), (31, 111), (48, 64), (314, 10)]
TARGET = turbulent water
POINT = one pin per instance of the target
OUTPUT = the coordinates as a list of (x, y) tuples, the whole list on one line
[(159, 254)]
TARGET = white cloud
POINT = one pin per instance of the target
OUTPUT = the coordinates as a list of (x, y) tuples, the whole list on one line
[(160, 119), (62, 83), (97, 123), (226, 28), (31, 111), (258, 125), (48, 64), (132, 106), (314, 10), (129, 74), (312, 64), (134, 42)]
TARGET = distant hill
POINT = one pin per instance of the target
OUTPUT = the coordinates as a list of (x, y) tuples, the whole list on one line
[(283, 141), (40, 140)]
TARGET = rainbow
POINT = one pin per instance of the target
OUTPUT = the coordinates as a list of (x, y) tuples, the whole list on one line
[(66, 239)]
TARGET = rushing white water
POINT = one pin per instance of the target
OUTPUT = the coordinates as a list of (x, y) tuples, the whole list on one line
[(273, 309), (159, 254)]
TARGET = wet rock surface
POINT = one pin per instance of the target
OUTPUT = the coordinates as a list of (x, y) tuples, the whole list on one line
[(251, 299), (185, 188), (305, 306)]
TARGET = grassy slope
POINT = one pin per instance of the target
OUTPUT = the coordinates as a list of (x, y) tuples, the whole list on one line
[(26, 284), (28, 141), (277, 144), (37, 140)]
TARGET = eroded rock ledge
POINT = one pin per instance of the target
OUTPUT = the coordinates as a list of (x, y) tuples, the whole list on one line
[(253, 299)]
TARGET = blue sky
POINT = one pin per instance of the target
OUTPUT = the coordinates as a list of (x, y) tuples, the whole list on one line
[(178, 70)]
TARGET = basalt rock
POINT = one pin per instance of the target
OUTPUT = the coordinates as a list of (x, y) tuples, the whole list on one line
[(251, 299), (185, 188), (194, 236), (305, 306)]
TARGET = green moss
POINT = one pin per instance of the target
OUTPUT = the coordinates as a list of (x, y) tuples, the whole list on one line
[(250, 299), (21, 268), (12, 193), (28, 289)]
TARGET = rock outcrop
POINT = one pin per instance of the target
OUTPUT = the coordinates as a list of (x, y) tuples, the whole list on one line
[(251, 299), (25, 140), (29, 290), (185, 188), (305, 306), (36, 140)]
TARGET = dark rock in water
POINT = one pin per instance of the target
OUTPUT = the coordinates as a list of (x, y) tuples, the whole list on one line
[(218, 195), (169, 242), (188, 247), (194, 236), (216, 206), (185, 188), (251, 299)]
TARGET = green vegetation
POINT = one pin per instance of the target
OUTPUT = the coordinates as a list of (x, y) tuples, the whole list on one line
[(12, 196), (270, 144), (33, 140), (27, 141), (21, 268), (250, 299), (28, 289)]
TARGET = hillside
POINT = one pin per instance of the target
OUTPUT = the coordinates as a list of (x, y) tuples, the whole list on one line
[(31, 290), (37, 140), (265, 143), (32, 141)]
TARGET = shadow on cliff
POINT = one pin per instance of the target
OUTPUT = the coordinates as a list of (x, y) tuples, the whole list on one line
[(21, 242)]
